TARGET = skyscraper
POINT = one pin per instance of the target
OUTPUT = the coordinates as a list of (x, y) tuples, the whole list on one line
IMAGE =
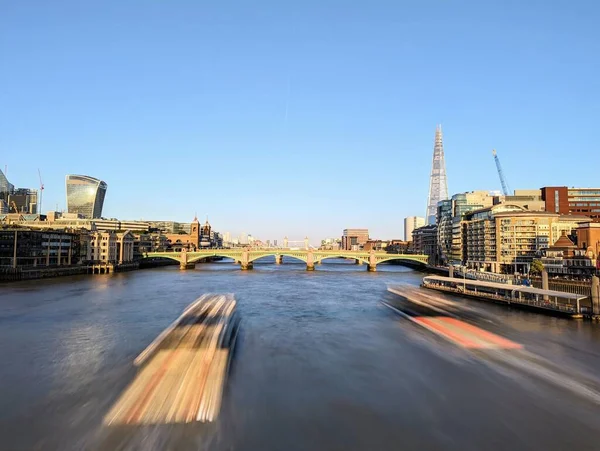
[(6, 187), (411, 223), (438, 184), (85, 195)]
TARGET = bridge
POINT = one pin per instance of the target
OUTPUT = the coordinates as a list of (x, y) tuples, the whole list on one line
[(246, 257)]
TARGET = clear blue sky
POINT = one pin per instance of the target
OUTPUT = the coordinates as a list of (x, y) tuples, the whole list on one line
[(296, 118)]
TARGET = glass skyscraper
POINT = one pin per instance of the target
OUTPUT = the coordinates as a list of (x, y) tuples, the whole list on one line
[(6, 187), (85, 195)]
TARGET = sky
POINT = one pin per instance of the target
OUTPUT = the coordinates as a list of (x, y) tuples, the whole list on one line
[(279, 118)]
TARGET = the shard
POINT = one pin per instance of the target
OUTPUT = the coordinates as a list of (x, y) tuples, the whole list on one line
[(438, 184)]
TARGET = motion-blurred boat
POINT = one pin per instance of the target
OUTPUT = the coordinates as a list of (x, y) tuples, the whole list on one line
[(183, 371)]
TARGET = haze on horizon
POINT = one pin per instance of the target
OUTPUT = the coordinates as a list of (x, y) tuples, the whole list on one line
[(296, 119)]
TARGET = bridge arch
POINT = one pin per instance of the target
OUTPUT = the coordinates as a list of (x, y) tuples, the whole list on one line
[(319, 258), (293, 255), (402, 258), (236, 257)]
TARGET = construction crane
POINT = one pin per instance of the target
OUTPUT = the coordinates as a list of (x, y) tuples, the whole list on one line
[(505, 188), (41, 192)]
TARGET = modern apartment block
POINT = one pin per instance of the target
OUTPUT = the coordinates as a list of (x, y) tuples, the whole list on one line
[(580, 201), (411, 223), (507, 238), (85, 195), (449, 217), (354, 238)]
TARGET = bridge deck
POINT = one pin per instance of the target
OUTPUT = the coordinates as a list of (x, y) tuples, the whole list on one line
[(184, 370)]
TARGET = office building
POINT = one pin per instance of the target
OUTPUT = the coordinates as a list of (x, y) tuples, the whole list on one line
[(37, 247), (23, 200), (85, 195), (354, 239), (6, 187), (20, 200), (411, 223), (580, 201)]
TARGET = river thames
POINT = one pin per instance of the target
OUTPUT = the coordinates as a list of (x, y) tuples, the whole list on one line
[(320, 364)]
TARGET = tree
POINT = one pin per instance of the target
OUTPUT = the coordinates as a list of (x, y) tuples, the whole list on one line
[(536, 267)]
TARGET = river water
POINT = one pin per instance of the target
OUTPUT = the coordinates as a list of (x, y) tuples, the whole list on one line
[(320, 364)]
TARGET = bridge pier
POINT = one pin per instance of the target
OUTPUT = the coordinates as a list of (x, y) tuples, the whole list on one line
[(310, 267), (183, 266), (278, 259), (372, 268), (247, 266), (357, 261)]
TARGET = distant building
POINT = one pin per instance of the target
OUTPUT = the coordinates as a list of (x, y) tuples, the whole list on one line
[(425, 242), (588, 239), (354, 238), (23, 200), (375, 245), (20, 200), (169, 226), (226, 238), (188, 241), (6, 187), (530, 199), (85, 195), (331, 244), (579, 201), (111, 247), (149, 242), (411, 223), (206, 240), (398, 247)]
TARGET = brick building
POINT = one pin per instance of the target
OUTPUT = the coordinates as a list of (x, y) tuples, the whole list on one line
[(580, 201), (354, 239)]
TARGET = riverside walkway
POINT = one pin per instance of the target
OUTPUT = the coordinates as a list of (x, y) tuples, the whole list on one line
[(549, 300)]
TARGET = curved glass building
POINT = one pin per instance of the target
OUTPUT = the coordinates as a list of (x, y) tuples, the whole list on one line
[(85, 195)]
